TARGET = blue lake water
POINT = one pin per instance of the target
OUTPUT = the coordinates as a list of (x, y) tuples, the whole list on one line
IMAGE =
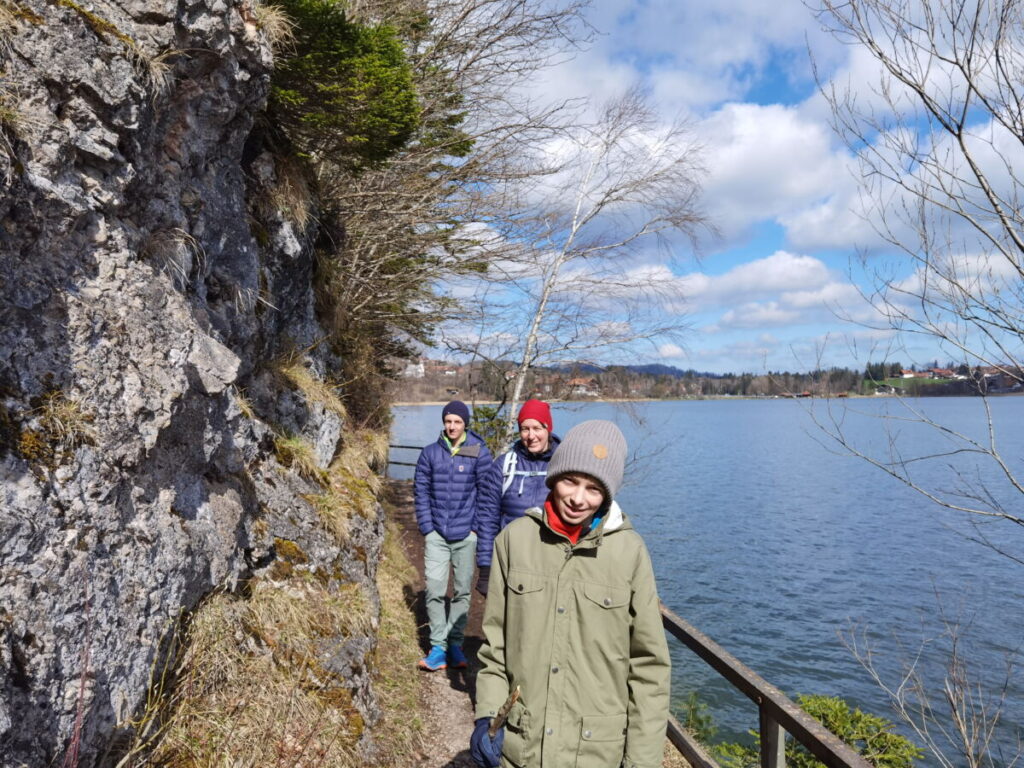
[(772, 542)]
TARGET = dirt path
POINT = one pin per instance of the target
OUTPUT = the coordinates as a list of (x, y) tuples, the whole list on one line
[(446, 707)]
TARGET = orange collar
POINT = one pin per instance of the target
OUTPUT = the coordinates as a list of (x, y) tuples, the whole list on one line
[(571, 532)]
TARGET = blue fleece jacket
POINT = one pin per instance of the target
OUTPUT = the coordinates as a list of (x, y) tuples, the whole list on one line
[(446, 486), (496, 510)]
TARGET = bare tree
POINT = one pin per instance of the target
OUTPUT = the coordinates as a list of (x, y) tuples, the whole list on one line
[(386, 239), (940, 142), (566, 287)]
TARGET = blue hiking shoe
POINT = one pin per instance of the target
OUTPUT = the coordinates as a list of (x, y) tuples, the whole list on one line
[(434, 660), (456, 658)]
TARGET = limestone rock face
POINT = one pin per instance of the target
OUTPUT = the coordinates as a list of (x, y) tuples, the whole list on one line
[(135, 304)]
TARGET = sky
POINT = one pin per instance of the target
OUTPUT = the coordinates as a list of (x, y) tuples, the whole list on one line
[(778, 286)]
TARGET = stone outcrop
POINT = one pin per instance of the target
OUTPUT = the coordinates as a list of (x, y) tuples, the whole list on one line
[(138, 297)]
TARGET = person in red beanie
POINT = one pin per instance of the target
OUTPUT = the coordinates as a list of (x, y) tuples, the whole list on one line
[(514, 483)]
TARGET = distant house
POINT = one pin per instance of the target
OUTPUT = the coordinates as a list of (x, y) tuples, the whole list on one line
[(581, 387), (415, 370), (942, 373)]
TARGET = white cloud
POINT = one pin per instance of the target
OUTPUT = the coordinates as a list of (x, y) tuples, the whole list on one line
[(782, 271), (670, 350), (765, 162), (758, 315)]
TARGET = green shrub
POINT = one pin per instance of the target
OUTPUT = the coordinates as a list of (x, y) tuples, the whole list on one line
[(344, 92), (870, 735)]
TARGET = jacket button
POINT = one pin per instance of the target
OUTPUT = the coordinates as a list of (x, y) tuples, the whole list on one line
[(520, 587), (606, 600), (549, 731), (586, 734), (554, 670), (561, 609)]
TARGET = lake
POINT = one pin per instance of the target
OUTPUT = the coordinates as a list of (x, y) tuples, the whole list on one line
[(775, 546)]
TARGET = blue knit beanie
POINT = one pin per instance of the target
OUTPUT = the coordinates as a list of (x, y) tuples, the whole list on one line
[(456, 408)]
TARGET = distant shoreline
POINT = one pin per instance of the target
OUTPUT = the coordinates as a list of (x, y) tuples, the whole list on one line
[(406, 403)]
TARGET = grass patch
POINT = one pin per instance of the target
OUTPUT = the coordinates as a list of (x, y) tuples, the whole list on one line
[(251, 687), (352, 485), (313, 389), (398, 689), (246, 682)]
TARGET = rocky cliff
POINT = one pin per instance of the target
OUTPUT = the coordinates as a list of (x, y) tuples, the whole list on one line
[(149, 291)]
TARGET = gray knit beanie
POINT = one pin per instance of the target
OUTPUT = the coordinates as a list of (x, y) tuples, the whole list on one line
[(596, 448)]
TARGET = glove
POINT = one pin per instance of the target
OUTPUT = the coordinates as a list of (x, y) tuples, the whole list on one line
[(483, 579), (486, 753)]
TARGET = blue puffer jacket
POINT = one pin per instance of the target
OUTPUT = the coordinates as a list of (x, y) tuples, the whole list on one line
[(446, 486), (527, 489)]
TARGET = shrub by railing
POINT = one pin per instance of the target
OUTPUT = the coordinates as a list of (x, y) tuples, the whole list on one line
[(778, 714)]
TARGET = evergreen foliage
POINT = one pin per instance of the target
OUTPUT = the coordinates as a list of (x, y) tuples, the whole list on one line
[(344, 91)]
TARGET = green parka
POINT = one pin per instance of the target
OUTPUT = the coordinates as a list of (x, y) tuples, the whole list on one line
[(578, 629)]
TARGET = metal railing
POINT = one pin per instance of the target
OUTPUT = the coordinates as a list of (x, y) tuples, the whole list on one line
[(778, 714)]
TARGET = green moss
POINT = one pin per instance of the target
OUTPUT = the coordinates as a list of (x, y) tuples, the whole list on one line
[(288, 550), (281, 570), (35, 448), (22, 14), (100, 26)]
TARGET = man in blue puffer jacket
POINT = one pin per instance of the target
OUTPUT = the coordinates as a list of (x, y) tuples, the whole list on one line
[(448, 474), (515, 482)]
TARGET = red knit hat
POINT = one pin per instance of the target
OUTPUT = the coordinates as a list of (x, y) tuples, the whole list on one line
[(536, 409)]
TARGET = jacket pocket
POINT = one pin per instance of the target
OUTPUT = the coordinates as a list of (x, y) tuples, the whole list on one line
[(516, 748), (602, 741), (526, 617), (608, 598), (523, 583)]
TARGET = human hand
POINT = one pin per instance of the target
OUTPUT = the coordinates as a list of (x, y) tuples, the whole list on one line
[(482, 579), (486, 751)]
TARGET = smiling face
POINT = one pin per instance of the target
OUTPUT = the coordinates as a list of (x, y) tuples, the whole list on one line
[(576, 498), (534, 435), (454, 426)]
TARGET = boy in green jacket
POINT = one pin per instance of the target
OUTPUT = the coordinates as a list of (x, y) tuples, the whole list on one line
[(573, 623)]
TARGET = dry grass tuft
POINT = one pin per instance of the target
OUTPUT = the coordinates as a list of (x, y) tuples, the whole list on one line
[(297, 453), (278, 28), (65, 422), (313, 389), (176, 253), (352, 486), (292, 196), (244, 403)]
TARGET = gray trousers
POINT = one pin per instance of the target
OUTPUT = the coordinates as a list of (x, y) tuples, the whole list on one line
[(439, 558)]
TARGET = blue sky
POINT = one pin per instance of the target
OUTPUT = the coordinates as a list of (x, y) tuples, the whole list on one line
[(770, 290)]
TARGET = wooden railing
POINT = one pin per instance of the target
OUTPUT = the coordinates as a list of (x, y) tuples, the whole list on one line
[(416, 448), (778, 713)]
